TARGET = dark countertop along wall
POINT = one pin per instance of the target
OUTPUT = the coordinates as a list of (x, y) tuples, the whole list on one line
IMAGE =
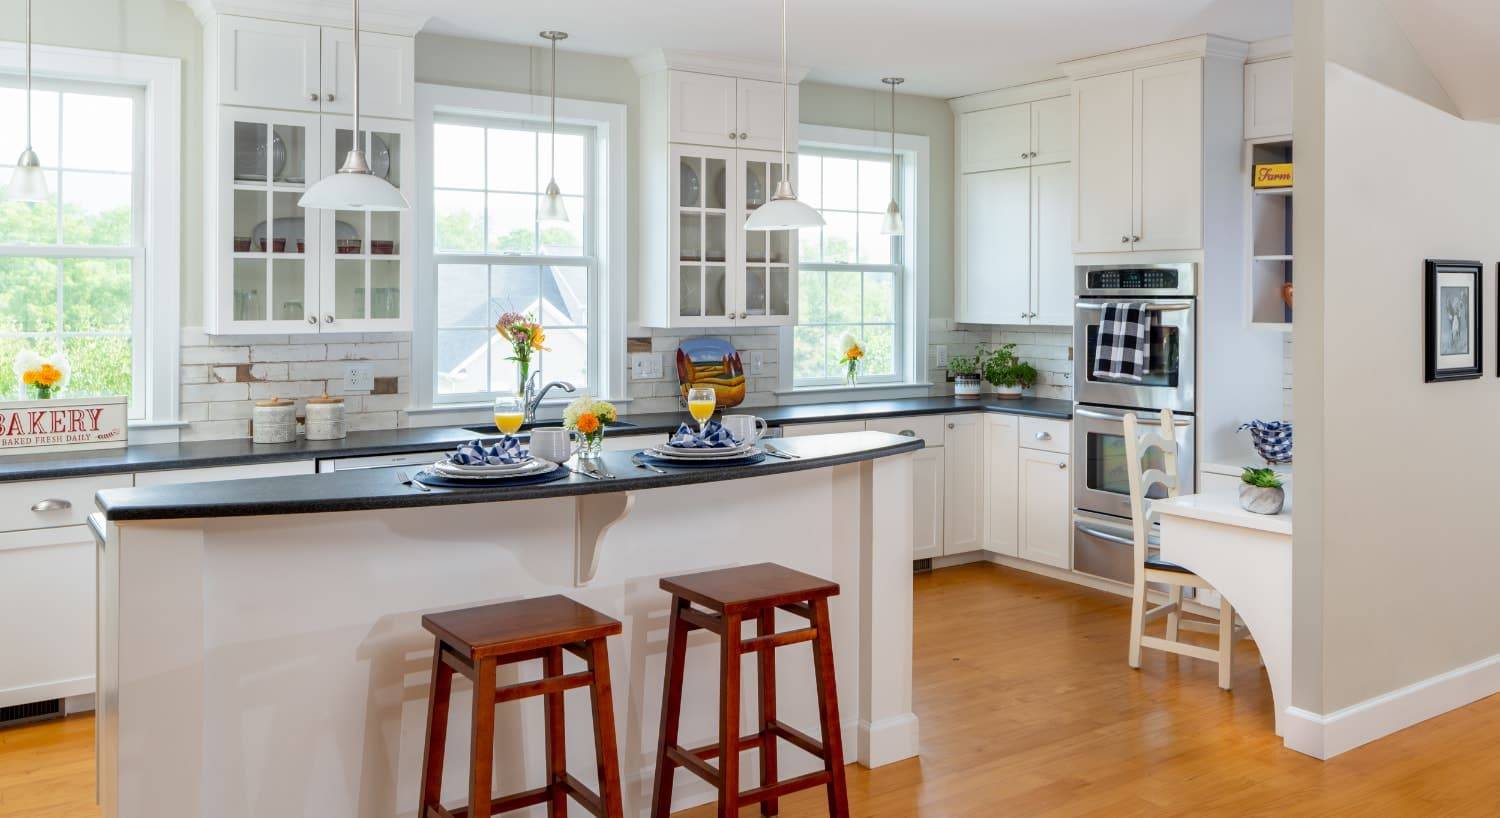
[(241, 451)]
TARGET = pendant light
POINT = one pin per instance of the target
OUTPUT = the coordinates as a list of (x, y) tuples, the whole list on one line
[(784, 211), (892, 225), (354, 187), (553, 209), (27, 182)]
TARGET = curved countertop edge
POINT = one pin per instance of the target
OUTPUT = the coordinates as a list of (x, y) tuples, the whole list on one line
[(243, 452), (373, 489), (1224, 509)]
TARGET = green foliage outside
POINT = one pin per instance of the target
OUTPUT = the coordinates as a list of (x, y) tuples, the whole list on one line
[(834, 302), (462, 231)]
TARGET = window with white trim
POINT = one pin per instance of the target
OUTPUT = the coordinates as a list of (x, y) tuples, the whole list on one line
[(492, 255), (71, 268), (851, 279)]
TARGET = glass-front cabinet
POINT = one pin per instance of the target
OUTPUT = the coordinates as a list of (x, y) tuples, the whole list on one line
[(767, 287), (283, 269)]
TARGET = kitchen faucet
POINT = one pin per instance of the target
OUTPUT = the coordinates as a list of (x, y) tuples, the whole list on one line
[(533, 397)]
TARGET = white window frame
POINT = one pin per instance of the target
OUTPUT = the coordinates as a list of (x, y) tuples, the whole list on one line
[(912, 153), (606, 234), (156, 289)]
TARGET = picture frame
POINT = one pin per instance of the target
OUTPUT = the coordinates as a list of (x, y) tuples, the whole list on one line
[(1453, 323)]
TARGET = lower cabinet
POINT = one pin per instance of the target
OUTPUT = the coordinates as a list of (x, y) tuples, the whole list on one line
[(173, 477), (927, 506), (1001, 492), (963, 483), (1045, 508), (46, 614)]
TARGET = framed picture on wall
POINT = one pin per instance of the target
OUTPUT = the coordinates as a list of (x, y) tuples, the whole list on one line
[(1453, 301)]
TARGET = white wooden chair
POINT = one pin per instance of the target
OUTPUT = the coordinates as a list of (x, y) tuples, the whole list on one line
[(1150, 568)]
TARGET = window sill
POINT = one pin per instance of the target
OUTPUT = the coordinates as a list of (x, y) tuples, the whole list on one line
[(489, 405), (861, 392)]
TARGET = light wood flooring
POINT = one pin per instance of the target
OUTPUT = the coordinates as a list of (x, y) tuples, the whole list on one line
[(1028, 709)]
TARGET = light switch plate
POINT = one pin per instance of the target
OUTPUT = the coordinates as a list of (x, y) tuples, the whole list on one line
[(941, 351), (645, 366), (359, 377), (757, 361)]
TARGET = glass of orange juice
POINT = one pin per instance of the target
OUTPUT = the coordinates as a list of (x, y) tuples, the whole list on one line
[(701, 402), (509, 414)]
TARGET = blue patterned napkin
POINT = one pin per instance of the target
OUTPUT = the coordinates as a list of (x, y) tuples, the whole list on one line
[(506, 451), (713, 436)]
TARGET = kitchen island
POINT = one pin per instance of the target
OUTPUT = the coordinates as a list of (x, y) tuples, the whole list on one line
[(261, 653)]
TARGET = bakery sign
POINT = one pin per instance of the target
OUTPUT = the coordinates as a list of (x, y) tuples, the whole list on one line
[(32, 426)]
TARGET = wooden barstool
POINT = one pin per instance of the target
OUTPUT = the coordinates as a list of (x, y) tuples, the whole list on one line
[(733, 596), (474, 641)]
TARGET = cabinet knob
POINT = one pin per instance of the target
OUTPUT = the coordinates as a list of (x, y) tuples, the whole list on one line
[(1062, 465), (1025, 315), (1033, 154), (732, 135), (1043, 435), (743, 135), (313, 96), (51, 504), (1124, 239), (908, 433), (1024, 155), (312, 319), (950, 426), (1135, 238), (328, 319), (328, 98)]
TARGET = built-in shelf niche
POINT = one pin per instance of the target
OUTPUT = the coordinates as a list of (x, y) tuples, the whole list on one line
[(1270, 239)]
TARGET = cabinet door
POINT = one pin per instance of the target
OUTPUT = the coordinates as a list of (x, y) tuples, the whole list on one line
[(1045, 508), (1169, 156), (269, 64), (702, 109), (996, 235), (366, 256), (177, 477), (961, 481), (1000, 484), (267, 246), (703, 234), (927, 503), (758, 113), (1103, 110), (763, 287), (47, 631), (1052, 244), (1268, 98), (386, 75), (1052, 131), (832, 427), (995, 138)]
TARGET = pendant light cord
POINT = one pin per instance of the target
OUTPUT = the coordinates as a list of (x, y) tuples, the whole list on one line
[(552, 171), (28, 75), (893, 141), (357, 144), (785, 169)]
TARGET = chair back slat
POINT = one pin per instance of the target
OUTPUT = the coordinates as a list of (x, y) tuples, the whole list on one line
[(1137, 445)]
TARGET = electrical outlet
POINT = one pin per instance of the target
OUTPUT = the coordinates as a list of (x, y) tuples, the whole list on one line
[(757, 362), (645, 366), (359, 377), (942, 355)]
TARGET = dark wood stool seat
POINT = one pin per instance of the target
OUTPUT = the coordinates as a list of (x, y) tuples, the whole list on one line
[(733, 596), (473, 642)]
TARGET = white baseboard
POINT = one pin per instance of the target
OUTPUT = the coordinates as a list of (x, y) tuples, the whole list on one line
[(1325, 736), (887, 741)]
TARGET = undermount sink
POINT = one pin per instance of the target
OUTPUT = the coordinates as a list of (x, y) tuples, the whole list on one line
[(492, 429)]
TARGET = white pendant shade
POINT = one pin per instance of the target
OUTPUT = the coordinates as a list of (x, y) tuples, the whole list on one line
[(553, 209), (27, 181), (353, 191), (892, 224), (784, 212)]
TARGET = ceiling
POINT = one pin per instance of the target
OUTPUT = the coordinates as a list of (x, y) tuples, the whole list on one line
[(944, 48), (1456, 39)]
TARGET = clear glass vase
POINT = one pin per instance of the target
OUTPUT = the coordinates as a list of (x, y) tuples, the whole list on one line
[(591, 445)]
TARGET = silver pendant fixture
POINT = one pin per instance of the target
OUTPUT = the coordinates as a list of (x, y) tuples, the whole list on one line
[(784, 211), (892, 225), (354, 187), (27, 181), (553, 209)]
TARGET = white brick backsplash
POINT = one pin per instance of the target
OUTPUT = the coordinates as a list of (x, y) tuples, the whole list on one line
[(361, 352), (268, 353), (378, 403), (215, 429), (212, 392), (233, 410), (197, 373), (215, 355), (366, 421), (286, 389), (224, 374), (192, 412)]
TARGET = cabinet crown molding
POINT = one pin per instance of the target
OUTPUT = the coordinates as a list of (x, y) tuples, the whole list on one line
[(1187, 48), (1014, 95), (1273, 49), (318, 13), (704, 62)]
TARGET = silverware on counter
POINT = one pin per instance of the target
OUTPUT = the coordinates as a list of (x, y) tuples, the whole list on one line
[(406, 480), (585, 472), (598, 467), (776, 454), (779, 453), (640, 463)]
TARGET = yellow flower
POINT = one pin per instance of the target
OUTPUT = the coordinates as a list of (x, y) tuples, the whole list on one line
[(588, 423), (48, 375), (29, 377), (538, 337)]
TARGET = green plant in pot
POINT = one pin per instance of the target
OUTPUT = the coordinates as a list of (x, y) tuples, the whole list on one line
[(965, 371), (1261, 491), (1007, 373)]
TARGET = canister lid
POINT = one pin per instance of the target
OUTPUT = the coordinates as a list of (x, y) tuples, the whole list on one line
[(274, 402), (326, 399)]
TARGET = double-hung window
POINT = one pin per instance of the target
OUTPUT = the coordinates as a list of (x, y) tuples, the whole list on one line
[(851, 277), (71, 267), (492, 254)]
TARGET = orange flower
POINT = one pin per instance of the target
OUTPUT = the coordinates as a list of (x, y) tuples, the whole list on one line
[(48, 375), (588, 423), (29, 377), (538, 337)]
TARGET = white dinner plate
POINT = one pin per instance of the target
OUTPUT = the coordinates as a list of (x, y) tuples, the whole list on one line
[(739, 448), (530, 467), (667, 453)]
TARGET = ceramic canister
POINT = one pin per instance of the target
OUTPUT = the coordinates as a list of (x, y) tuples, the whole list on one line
[(274, 421), (325, 418)]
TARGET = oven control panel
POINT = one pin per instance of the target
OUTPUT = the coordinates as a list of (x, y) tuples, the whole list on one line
[(1133, 278), (1136, 280)]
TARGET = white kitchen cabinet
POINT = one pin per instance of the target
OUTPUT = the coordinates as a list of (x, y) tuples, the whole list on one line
[(175, 477), (47, 613), (1104, 109), (1052, 131), (1268, 98), (1015, 256), (269, 63), (728, 112), (26, 504), (1016, 136), (963, 484), (1001, 491), (1045, 507), (759, 115), (927, 466), (831, 427), (386, 73), (1051, 271)]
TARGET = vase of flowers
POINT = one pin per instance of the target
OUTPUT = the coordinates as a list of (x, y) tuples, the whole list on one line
[(525, 337), (588, 417), (41, 378), (850, 354)]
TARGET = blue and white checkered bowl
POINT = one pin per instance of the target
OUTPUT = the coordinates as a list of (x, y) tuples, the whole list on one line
[(1272, 439)]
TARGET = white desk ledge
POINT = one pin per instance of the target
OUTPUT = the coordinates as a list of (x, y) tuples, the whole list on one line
[(1224, 509)]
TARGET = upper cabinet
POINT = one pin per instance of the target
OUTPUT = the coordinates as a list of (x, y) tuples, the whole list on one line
[(300, 67), (1017, 136), (728, 112), (385, 76), (1268, 98)]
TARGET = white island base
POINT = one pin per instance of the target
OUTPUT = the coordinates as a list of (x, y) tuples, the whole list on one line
[(275, 666)]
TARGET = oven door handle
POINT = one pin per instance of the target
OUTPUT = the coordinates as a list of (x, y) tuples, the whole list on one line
[(1104, 535), (1143, 419), (1087, 305)]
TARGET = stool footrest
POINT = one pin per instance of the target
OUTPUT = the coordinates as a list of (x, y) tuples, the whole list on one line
[(713, 623), (583, 795), (796, 737), (545, 685), (778, 640), (530, 798), (708, 751), (695, 765), (787, 787)]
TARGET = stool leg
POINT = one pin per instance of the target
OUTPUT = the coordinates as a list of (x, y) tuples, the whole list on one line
[(729, 718), (828, 713), (482, 745), (437, 732), (766, 671), (606, 750), (557, 748), (671, 709)]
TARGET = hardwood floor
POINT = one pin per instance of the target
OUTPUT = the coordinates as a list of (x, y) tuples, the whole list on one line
[(1028, 709)]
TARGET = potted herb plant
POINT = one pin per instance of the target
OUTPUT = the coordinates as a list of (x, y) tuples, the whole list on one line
[(1261, 491), (965, 372), (1007, 373)]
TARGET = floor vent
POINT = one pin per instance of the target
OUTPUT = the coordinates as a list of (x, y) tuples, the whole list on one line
[(918, 566), (34, 711)]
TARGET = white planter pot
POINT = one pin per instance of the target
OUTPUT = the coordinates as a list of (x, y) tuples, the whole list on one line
[(966, 386), (1261, 500), (1008, 392)]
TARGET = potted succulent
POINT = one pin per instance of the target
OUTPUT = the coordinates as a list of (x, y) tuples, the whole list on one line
[(965, 372), (1261, 491), (1007, 373)]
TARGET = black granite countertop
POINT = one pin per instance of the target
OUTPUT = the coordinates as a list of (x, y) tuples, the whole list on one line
[(241, 451), (369, 489)]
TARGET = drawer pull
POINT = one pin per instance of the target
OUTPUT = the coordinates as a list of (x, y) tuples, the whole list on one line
[(1043, 435), (1062, 465), (907, 433), (51, 504)]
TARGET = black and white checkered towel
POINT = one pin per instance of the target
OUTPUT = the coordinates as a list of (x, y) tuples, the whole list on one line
[(1124, 335)]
